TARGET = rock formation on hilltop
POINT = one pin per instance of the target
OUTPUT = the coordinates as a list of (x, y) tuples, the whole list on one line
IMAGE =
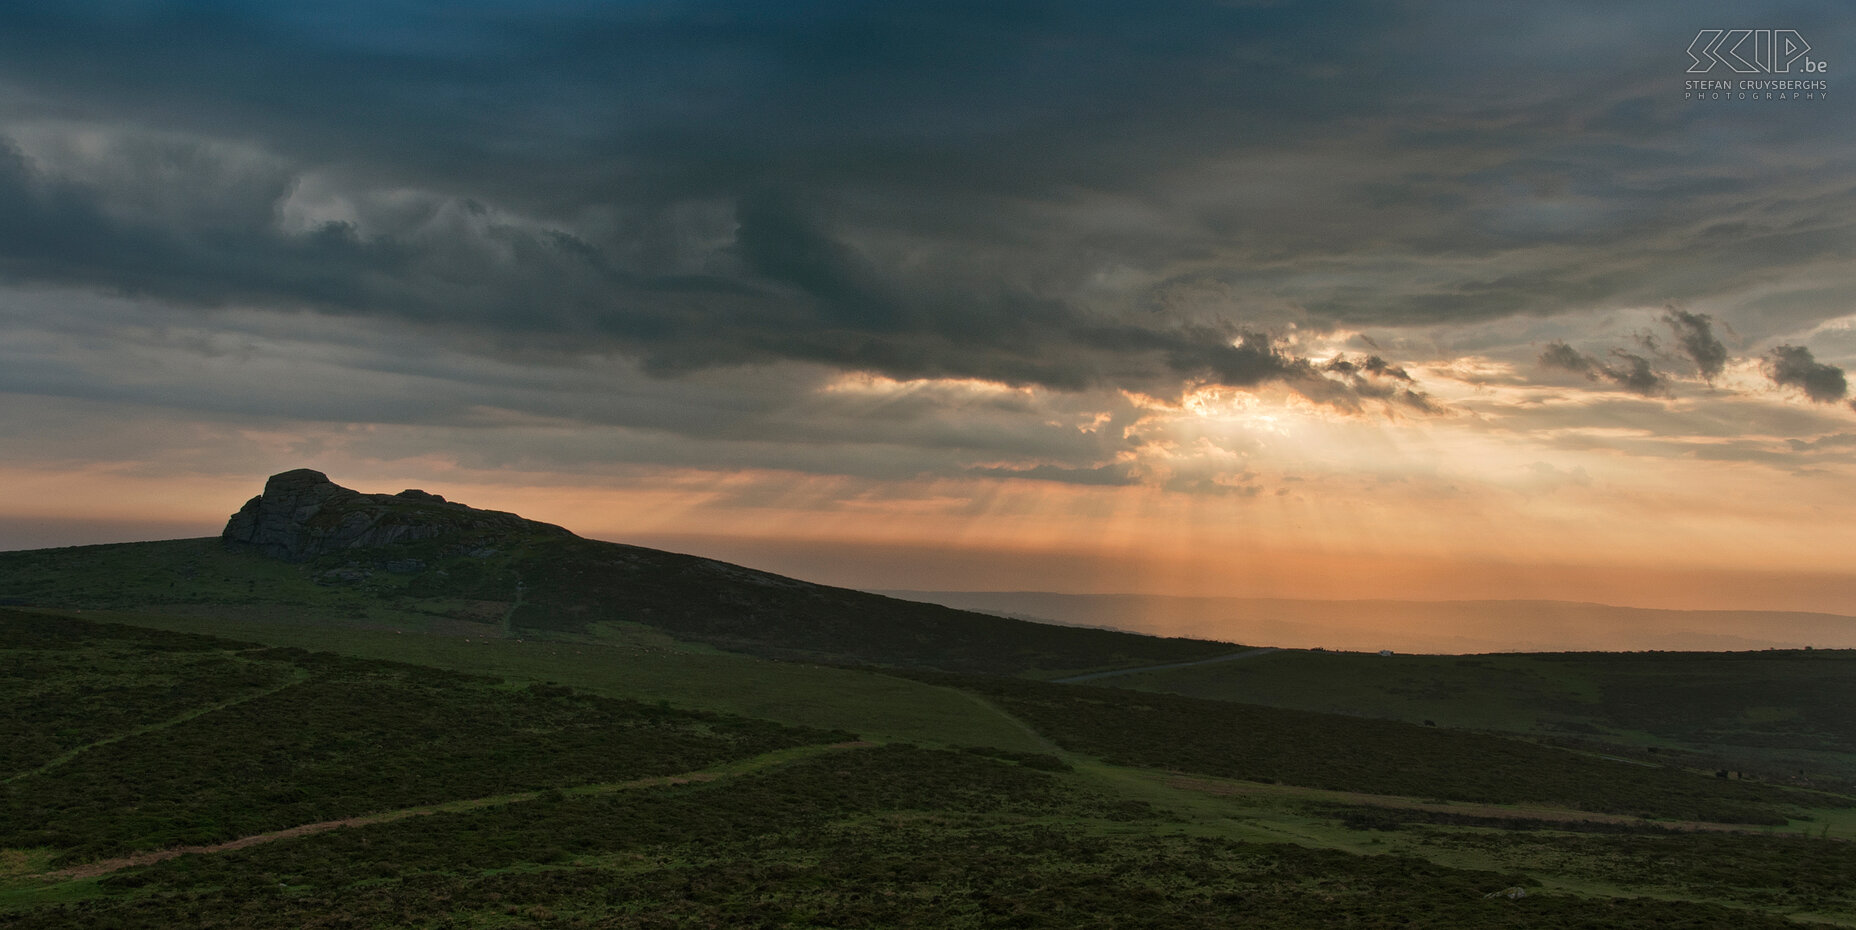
[(302, 514)]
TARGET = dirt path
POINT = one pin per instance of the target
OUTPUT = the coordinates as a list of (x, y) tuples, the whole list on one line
[(995, 709), (106, 866), (1092, 676), (509, 616)]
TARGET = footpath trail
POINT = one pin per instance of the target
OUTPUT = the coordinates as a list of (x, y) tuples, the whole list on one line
[(777, 757), (1092, 676), (508, 623), (990, 707)]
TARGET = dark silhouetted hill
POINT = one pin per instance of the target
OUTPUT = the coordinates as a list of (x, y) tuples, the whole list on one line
[(308, 548)]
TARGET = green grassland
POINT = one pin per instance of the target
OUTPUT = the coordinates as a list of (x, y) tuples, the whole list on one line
[(1276, 745), (1783, 715), (340, 738), (885, 837), (480, 797), (642, 664)]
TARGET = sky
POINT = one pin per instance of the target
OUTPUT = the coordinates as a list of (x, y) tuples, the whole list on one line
[(1330, 300)]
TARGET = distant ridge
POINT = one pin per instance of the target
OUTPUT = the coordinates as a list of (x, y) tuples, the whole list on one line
[(302, 514), (1466, 626)]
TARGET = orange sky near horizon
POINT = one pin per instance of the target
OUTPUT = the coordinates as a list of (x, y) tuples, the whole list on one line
[(1456, 540)]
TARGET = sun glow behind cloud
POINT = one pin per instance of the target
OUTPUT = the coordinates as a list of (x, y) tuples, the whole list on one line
[(1221, 491)]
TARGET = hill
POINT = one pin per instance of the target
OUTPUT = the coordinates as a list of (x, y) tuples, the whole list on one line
[(309, 549)]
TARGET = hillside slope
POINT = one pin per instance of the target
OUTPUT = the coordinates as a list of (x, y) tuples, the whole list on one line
[(308, 549)]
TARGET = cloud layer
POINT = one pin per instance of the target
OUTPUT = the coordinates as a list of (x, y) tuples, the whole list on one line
[(1066, 196), (1248, 254)]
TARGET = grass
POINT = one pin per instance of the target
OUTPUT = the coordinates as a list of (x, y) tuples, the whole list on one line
[(537, 806), (1511, 693), (71, 709), (1558, 851), (61, 701), (646, 665), (1781, 714), (1275, 745), (342, 737), (879, 837)]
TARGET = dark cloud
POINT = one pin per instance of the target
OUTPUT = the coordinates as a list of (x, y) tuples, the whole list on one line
[(1562, 356), (788, 290), (1371, 365), (1794, 366), (1374, 377), (1250, 359), (1074, 196), (1627, 370), (564, 103), (1694, 334), (1633, 373)]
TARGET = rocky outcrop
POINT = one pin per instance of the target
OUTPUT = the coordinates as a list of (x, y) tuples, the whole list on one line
[(302, 514)]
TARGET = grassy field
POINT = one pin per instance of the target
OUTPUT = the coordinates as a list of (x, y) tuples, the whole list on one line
[(478, 796), (645, 665), (1784, 715), (1275, 745), (315, 737)]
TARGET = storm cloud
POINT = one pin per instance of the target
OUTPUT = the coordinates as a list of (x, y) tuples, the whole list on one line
[(1694, 335), (1072, 197), (1794, 366)]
